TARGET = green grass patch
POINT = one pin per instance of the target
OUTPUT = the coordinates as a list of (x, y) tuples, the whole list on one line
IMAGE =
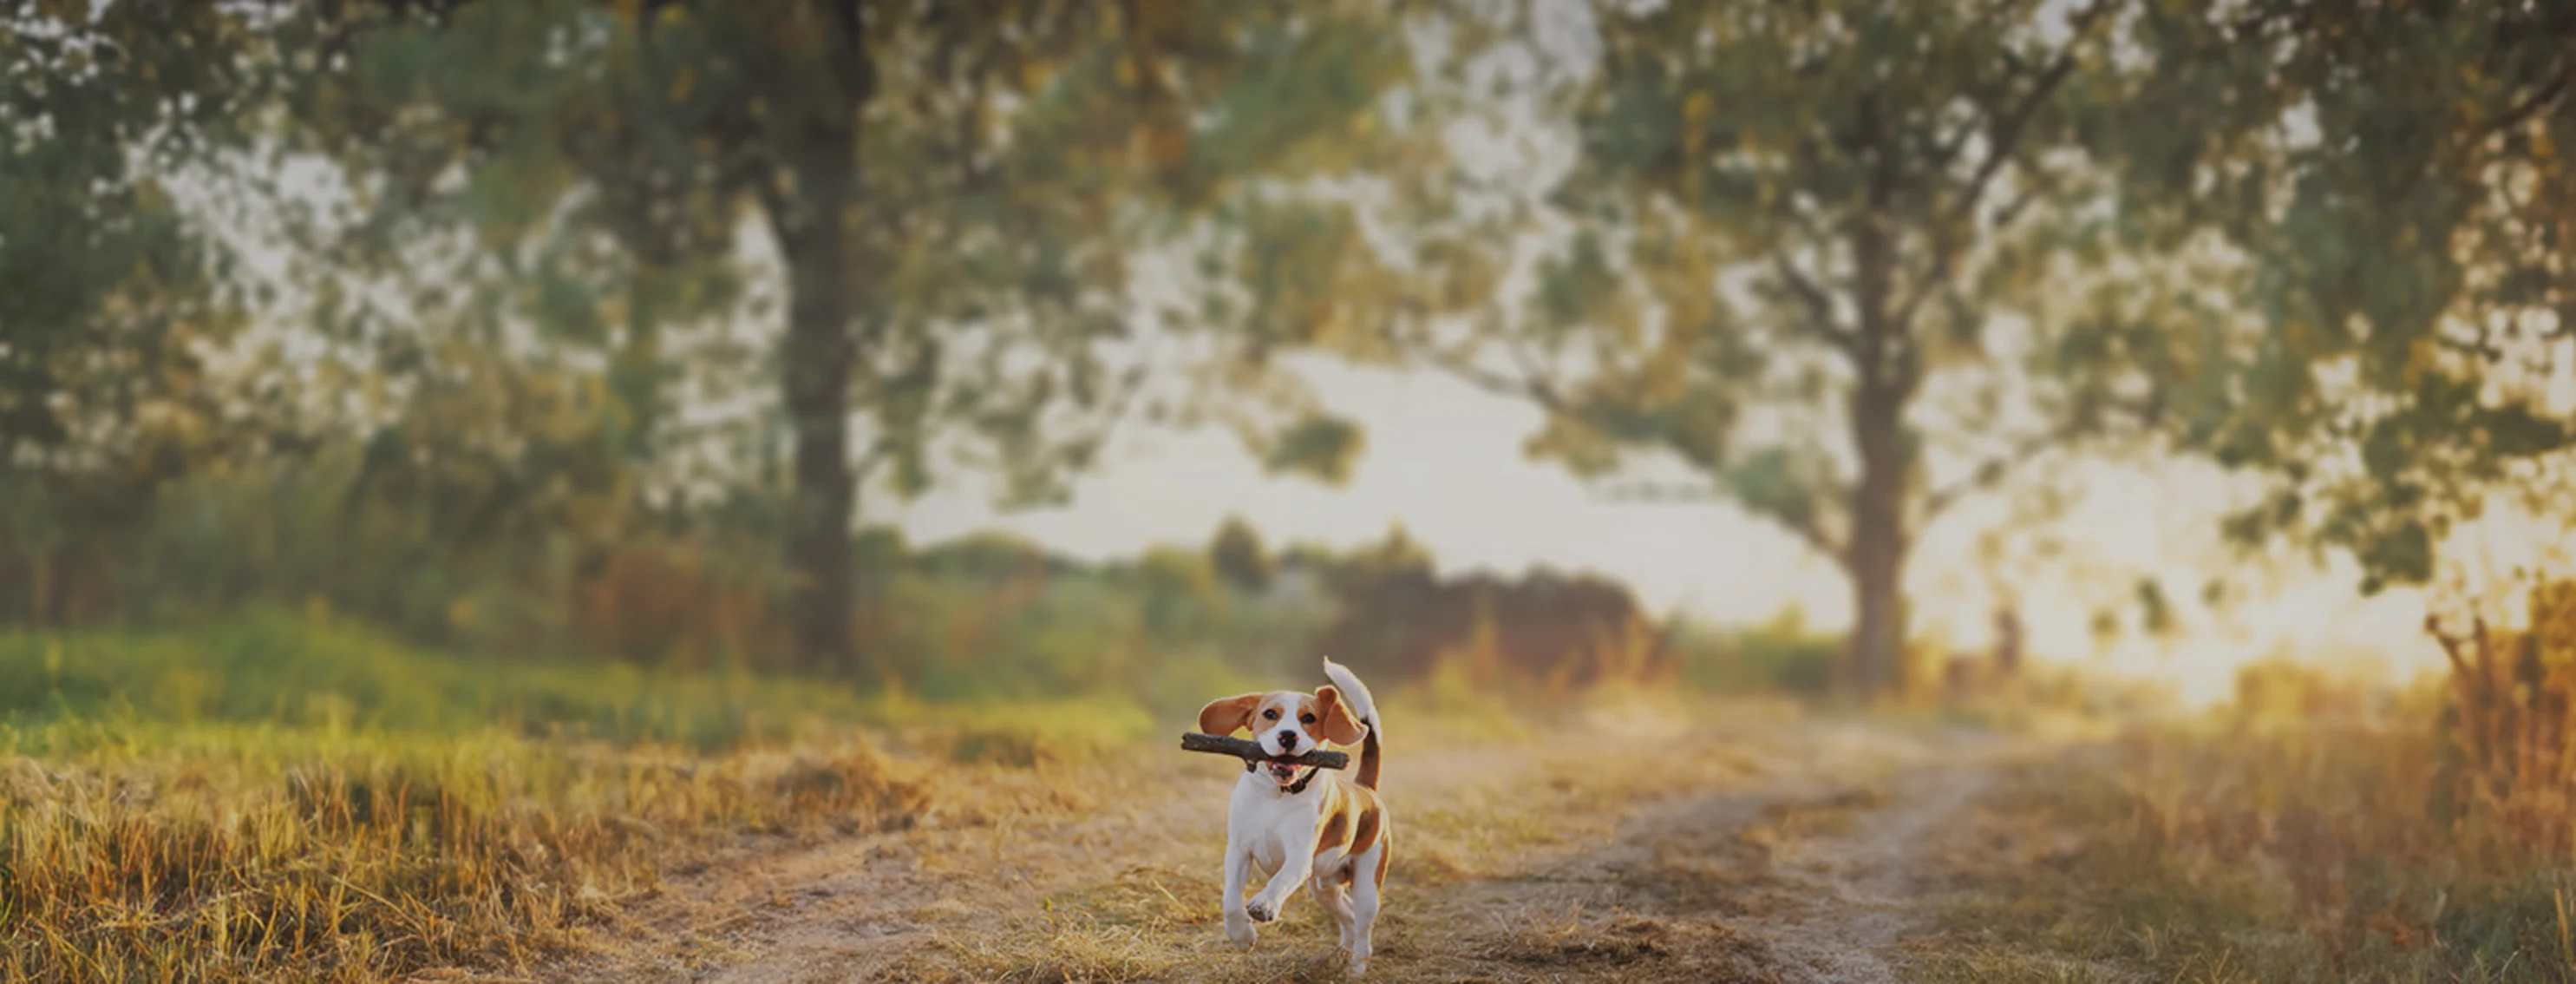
[(314, 672)]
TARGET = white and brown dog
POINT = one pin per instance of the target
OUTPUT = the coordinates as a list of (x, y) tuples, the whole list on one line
[(1297, 824)]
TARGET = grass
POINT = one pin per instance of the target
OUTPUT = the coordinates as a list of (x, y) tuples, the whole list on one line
[(2315, 830), (374, 855), (2251, 854), (309, 671), (287, 797)]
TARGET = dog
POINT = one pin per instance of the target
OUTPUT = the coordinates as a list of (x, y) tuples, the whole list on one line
[(1298, 824)]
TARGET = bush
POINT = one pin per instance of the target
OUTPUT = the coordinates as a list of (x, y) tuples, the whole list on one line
[(1782, 656)]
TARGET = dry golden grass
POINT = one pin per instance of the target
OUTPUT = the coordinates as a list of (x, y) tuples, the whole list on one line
[(363, 858), (2311, 834), (294, 798)]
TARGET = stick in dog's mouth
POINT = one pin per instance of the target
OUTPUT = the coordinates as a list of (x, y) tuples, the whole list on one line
[(1250, 751)]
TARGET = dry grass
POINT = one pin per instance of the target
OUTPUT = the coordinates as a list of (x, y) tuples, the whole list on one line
[(303, 801), (2303, 837), (362, 858)]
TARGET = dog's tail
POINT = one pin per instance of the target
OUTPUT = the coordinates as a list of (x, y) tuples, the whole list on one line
[(1364, 708)]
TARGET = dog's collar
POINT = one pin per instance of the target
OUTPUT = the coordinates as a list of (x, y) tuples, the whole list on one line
[(1295, 787)]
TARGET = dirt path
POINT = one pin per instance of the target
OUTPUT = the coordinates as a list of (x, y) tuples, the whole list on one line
[(1783, 851), (1814, 872), (1861, 892)]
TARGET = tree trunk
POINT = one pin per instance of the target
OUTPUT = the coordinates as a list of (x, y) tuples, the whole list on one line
[(1888, 371), (1879, 543), (817, 357), (812, 222)]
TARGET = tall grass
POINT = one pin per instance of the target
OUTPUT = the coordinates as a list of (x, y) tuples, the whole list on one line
[(292, 798), (372, 856), (2316, 831)]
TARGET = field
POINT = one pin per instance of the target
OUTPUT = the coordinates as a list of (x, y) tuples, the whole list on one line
[(401, 814), (410, 815)]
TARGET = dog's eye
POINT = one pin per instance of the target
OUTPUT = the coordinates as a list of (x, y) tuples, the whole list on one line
[(1271, 714), (1305, 719)]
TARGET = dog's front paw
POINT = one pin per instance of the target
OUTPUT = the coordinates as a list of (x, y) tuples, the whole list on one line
[(1260, 910), (1239, 929)]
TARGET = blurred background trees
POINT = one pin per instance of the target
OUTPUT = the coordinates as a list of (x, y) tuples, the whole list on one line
[(111, 298), (588, 327), (2394, 182), (1843, 265), (951, 201)]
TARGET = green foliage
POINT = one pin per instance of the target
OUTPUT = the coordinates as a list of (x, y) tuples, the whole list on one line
[(102, 265), (1239, 557), (116, 302), (955, 202), (1846, 263), (2397, 180), (1782, 656), (1325, 448)]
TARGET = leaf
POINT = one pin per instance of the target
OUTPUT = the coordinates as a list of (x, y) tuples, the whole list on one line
[(1323, 448)]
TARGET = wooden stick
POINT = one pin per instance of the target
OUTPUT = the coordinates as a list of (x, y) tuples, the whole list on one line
[(1250, 751)]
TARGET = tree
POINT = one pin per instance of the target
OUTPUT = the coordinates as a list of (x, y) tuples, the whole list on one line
[(110, 300), (956, 200), (1846, 262), (2397, 180), (1239, 556)]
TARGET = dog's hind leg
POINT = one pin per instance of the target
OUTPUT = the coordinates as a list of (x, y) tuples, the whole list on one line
[(1367, 871), (1333, 894)]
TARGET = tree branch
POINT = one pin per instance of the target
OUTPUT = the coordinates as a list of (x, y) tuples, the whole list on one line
[(1525, 388), (1820, 308), (2549, 94), (1993, 470), (2003, 137)]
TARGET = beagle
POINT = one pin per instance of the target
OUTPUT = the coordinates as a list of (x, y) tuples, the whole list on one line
[(1297, 824)]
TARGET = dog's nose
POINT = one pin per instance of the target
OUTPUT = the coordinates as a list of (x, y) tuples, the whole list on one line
[(1287, 740)]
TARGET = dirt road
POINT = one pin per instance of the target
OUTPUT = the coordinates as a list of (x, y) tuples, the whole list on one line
[(1752, 847)]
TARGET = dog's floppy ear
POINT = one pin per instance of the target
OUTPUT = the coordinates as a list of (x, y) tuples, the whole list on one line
[(1222, 717), (1333, 717)]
